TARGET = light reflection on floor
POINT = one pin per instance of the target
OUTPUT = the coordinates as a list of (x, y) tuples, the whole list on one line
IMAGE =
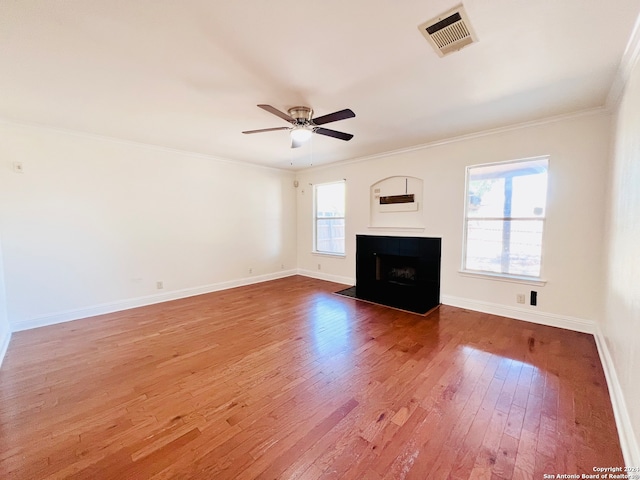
[(470, 351), (331, 326)]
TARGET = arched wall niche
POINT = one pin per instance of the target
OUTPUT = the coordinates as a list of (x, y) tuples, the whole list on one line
[(396, 202)]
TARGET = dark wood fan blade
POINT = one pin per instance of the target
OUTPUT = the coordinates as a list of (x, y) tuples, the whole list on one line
[(277, 113), (334, 117), (333, 133), (266, 130)]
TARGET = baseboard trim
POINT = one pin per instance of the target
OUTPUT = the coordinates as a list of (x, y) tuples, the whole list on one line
[(542, 318), (4, 347), (327, 277), (101, 309), (628, 441)]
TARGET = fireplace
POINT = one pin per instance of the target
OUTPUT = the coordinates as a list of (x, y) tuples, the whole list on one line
[(397, 269), (402, 272)]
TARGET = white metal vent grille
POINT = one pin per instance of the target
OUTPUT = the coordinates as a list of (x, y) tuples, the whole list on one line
[(449, 32)]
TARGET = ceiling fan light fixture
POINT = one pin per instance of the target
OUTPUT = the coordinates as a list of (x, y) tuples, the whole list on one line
[(304, 125), (301, 134)]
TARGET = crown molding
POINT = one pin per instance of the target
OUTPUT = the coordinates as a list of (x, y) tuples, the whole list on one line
[(630, 58), (132, 143), (602, 110)]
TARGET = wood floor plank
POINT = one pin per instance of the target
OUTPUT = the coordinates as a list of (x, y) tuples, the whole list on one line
[(278, 465), (284, 379)]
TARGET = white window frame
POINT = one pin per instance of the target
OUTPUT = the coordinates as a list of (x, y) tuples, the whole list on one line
[(316, 218), (525, 279)]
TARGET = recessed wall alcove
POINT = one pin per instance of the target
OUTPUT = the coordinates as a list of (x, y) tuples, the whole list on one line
[(396, 202)]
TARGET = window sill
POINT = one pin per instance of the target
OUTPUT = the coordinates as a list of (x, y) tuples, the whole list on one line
[(324, 254), (539, 282)]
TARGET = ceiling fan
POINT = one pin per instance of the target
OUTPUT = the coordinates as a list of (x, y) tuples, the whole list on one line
[(303, 125)]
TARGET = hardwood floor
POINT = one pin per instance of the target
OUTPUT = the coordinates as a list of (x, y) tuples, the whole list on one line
[(286, 380)]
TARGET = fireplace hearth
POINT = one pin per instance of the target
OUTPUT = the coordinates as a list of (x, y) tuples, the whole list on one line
[(401, 272)]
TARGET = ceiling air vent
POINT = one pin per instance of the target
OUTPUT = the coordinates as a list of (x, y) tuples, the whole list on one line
[(449, 32)]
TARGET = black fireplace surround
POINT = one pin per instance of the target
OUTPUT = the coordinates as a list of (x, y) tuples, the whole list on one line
[(401, 272)]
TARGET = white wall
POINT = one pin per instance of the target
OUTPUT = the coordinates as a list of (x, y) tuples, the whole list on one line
[(92, 224), (573, 237), (5, 331), (621, 325)]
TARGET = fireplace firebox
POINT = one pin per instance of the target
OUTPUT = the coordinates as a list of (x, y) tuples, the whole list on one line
[(401, 272)]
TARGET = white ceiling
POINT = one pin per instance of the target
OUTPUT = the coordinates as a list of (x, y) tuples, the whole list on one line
[(188, 74)]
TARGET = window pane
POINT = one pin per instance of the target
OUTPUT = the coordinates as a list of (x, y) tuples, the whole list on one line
[(516, 189), (329, 218), (526, 247), (486, 197), (529, 195), (511, 247), (330, 200), (505, 212), (484, 245), (330, 235)]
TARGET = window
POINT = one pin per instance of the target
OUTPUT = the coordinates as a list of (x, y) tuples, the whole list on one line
[(329, 218), (504, 217)]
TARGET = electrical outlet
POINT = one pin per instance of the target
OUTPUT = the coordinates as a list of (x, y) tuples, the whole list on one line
[(520, 298), (250, 271), (319, 267), (160, 285)]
